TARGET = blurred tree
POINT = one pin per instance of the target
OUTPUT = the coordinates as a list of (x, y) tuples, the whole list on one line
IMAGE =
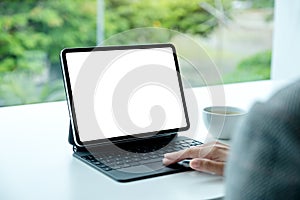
[(32, 34), (263, 3), (46, 26), (253, 68), (183, 16), (34, 31)]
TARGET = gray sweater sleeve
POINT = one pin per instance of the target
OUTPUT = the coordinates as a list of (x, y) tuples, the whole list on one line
[(264, 161)]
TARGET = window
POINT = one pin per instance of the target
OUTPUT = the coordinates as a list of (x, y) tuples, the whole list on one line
[(232, 37), (31, 37)]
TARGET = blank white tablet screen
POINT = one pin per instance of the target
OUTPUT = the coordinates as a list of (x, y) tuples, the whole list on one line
[(125, 92)]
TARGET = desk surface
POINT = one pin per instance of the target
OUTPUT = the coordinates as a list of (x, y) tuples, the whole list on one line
[(36, 161)]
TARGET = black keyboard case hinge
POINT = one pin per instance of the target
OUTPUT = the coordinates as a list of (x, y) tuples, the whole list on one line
[(72, 142)]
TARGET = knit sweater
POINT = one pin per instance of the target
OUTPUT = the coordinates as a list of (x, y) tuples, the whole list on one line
[(264, 161)]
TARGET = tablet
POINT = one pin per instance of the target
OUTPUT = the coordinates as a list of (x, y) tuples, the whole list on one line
[(121, 93)]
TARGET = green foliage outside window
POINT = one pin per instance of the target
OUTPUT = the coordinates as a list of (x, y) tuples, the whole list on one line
[(263, 3), (32, 33), (31, 37), (256, 67), (183, 16)]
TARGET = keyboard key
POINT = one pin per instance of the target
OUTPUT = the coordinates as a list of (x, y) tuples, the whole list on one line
[(177, 148), (154, 156), (125, 166), (107, 168), (101, 165)]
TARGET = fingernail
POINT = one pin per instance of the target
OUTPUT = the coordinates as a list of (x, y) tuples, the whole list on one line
[(195, 164), (165, 161), (167, 155)]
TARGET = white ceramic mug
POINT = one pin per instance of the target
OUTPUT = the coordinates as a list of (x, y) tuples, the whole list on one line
[(221, 121)]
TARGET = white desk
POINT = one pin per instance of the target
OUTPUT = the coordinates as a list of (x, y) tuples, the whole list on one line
[(36, 160)]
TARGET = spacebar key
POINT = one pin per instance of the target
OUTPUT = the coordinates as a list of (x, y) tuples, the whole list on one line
[(150, 161)]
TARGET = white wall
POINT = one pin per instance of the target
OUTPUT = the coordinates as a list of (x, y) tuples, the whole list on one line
[(286, 46)]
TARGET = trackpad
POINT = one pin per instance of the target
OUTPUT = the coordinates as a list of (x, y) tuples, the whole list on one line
[(137, 169), (159, 166), (150, 167)]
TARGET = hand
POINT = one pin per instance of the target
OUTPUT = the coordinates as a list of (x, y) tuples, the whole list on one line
[(210, 157)]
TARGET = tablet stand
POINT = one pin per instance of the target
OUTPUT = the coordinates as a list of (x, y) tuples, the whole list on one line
[(72, 141)]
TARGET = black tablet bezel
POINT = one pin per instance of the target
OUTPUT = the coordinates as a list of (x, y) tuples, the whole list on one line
[(70, 101)]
